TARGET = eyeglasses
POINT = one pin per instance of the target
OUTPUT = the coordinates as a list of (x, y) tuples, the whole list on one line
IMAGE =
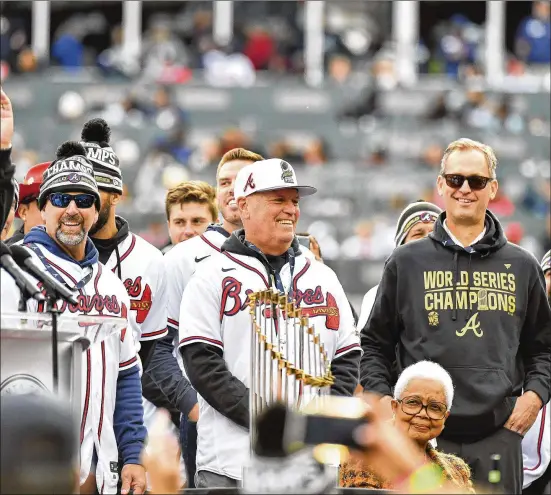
[(476, 182), (61, 200), (414, 405)]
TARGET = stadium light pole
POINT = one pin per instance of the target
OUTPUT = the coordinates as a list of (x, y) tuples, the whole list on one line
[(132, 27), (405, 33), (494, 46), (313, 42), (222, 26), (41, 29)]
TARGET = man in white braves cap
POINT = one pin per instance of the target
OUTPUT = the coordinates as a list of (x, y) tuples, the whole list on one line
[(415, 222), (112, 412), (536, 445), (214, 317)]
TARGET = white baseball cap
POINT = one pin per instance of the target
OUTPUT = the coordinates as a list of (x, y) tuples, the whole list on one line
[(268, 175)]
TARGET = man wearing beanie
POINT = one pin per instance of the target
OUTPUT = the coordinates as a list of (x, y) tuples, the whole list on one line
[(469, 300), (415, 222), (112, 412), (138, 264), (536, 445)]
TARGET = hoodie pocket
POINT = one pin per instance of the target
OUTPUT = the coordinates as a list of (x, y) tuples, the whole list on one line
[(479, 392)]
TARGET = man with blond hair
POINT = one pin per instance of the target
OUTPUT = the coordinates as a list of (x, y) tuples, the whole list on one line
[(190, 208), (475, 303)]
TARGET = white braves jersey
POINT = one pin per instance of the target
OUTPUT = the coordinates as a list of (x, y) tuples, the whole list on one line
[(215, 311), (103, 294), (536, 447), (367, 306), (140, 268), (180, 264)]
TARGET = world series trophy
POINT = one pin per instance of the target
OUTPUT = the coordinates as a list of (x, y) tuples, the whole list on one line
[(289, 365)]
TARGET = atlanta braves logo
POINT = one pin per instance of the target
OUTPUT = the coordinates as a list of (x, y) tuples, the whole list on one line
[(86, 304), (142, 306), (311, 302), (231, 290), (73, 178), (426, 217), (250, 183)]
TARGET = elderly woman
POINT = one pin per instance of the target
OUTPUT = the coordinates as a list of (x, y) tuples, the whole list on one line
[(422, 401)]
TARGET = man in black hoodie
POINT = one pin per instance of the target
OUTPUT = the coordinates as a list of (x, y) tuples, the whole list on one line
[(215, 334), (469, 300)]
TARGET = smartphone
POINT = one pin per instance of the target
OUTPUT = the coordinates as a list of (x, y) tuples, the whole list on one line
[(328, 420)]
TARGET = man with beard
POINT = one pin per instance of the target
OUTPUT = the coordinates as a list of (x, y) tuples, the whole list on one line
[(112, 412), (132, 259), (27, 209)]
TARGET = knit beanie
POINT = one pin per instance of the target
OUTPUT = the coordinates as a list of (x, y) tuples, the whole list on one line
[(71, 171), (420, 211), (95, 139)]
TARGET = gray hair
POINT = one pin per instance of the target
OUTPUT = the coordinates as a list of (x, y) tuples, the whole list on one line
[(425, 370)]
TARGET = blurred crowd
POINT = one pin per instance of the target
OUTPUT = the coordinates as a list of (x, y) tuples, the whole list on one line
[(268, 36)]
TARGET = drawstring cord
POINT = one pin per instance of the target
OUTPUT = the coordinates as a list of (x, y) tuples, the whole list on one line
[(456, 279), (119, 272)]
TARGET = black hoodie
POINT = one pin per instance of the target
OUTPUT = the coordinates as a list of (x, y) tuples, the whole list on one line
[(481, 312), (207, 370)]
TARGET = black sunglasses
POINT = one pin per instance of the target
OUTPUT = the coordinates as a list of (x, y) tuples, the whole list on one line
[(62, 200), (476, 182)]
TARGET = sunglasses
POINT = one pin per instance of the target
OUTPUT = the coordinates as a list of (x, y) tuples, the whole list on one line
[(476, 182), (61, 200)]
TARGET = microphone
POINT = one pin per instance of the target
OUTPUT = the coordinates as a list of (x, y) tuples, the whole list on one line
[(27, 287), (54, 288)]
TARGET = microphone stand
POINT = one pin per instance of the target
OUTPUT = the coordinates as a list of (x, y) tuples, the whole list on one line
[(54, 312)]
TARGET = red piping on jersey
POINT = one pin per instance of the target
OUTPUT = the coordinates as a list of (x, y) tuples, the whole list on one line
[(174, 323), (96, 280), (125, 255), (87, 396), (252, 269), (102, 485), (210, 243), (153, 334), (540, 439), (300, 274), (206, 339), (100, 427), (347, 348), (88, 359), (127, 363), (63, 271)]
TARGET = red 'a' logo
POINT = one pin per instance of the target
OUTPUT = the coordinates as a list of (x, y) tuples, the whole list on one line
[(142, 306), (250, 183)]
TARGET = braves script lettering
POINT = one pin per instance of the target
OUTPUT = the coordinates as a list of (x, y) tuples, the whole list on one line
[(86, 304), (312, 301)]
